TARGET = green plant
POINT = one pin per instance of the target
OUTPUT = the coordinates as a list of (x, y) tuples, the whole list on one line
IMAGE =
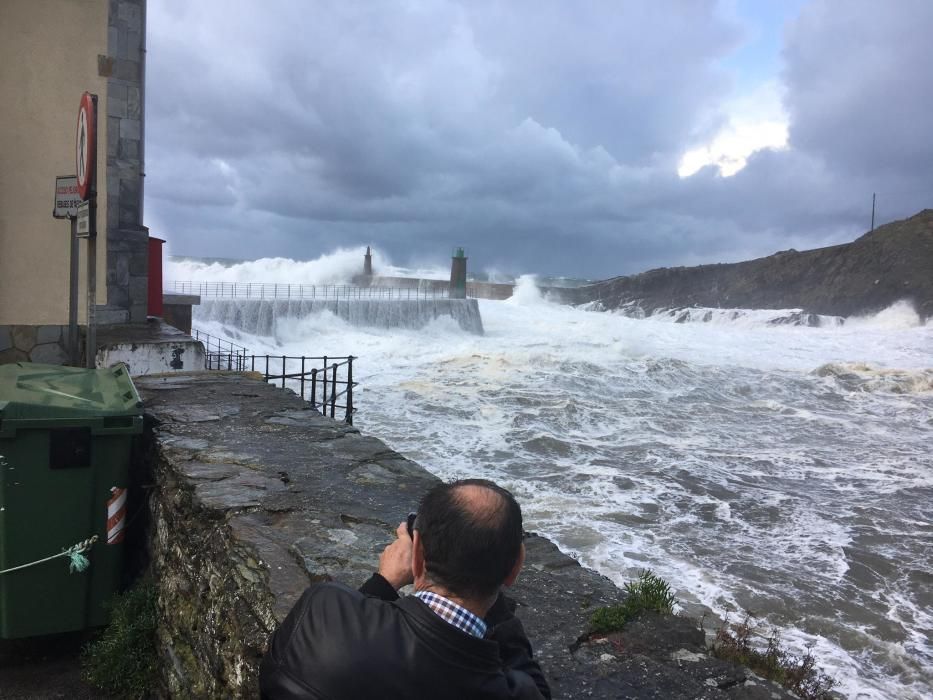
[(123, 661), (737, 643), (648, 593)]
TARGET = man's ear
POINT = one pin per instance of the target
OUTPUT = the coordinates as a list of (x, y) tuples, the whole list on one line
[(513, 574), (417, 556)]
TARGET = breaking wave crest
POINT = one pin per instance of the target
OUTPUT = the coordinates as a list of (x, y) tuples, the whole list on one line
[(337, 267), (899, 315)]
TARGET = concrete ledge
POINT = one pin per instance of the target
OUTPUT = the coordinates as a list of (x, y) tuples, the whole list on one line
[(186, 299), (257, 496), (153, 347)]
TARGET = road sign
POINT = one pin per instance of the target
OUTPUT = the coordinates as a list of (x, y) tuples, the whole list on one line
[(66, 197), (85, 144), (84, 219)]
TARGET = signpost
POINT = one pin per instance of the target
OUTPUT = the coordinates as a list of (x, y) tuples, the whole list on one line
[(66, 207), (86, 176), (76, 199)]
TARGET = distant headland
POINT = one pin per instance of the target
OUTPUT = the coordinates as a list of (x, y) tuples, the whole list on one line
[(892, 263)]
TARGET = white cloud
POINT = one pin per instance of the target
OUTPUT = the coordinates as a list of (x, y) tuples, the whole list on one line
[(756, 121), (730, 149)]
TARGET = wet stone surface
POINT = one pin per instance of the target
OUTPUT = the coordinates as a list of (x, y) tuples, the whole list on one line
[(257, 496)]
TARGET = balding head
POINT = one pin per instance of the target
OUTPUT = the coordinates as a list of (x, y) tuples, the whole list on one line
[(471, 531)]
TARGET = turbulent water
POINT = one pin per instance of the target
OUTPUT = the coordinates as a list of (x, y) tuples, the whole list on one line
[(777, 469)]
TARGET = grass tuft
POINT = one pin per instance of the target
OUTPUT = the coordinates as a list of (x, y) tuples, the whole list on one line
[(648, 593), (800, 675), (123, 661)]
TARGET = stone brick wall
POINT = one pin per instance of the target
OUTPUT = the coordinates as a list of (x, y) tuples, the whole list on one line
[(45, 344), (127, 238)]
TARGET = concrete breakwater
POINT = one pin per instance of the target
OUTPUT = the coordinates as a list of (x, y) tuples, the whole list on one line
[(256, 496), (262, 316)]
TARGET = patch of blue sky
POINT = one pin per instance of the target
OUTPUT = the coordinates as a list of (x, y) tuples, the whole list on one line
[(757, 59)]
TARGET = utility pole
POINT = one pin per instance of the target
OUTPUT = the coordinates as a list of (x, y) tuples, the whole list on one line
[(872, 211)]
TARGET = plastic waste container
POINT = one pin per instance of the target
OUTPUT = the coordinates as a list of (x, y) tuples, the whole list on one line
[(65, 439)]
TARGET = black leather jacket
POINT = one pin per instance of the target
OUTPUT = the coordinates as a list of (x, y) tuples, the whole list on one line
[(339, 643)]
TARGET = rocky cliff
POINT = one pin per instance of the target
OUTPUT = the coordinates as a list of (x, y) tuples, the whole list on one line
[(893, 262)]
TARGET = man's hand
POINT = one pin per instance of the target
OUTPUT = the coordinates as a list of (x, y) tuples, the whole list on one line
[(395, 560)]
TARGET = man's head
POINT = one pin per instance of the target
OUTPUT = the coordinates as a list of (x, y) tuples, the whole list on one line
[(470, 535)]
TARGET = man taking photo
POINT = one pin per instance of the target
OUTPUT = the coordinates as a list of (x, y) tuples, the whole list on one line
[(455, 637)]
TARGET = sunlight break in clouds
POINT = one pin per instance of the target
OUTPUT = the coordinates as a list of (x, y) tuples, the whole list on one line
[(756, 121), (730, 150)]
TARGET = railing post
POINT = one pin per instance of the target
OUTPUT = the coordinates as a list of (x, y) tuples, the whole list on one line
[(324, 392), (349, 417), (333, 391), (266, 376), (283, 371), (313, 387), (302, 378)]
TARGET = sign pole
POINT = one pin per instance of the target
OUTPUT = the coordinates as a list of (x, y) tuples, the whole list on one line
[(91, 345), (86, 169), (91, 350), (67, 202), (73, 297)]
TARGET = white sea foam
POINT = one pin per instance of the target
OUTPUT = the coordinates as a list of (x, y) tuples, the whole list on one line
[(748, 464), (899, 315)]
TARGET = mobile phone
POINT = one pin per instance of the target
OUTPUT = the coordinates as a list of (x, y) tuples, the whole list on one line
[(411, 524)]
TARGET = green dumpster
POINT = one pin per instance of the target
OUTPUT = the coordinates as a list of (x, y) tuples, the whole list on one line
[(65, 437)]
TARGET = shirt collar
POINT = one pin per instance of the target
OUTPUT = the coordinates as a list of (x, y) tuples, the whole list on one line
[(454, 614)]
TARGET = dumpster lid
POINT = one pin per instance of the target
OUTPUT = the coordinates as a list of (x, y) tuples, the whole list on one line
[(36, 391)]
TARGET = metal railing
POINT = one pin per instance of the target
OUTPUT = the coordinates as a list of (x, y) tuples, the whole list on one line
[(220, 353), (280, 290), (316, 380)]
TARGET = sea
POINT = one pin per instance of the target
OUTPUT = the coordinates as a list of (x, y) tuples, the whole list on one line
[(783, 471)]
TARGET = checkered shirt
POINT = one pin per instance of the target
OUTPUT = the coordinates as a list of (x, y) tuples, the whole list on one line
[(449, 611)]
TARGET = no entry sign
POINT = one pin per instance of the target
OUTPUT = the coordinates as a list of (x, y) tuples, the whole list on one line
[(85, 144)]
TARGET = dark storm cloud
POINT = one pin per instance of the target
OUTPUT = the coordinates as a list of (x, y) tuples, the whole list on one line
[(860, 89), (544, 136)]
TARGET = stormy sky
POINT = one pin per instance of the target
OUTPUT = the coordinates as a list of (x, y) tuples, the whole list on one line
[(583, 138)]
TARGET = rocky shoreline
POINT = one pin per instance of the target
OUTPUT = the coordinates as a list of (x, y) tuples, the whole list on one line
[(255, 496)]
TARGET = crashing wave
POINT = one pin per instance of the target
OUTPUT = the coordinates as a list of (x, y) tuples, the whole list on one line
[(770, 317)]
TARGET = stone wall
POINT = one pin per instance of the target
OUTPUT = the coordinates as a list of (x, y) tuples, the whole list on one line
[(45, 344), (127, 239), (256, 496)]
